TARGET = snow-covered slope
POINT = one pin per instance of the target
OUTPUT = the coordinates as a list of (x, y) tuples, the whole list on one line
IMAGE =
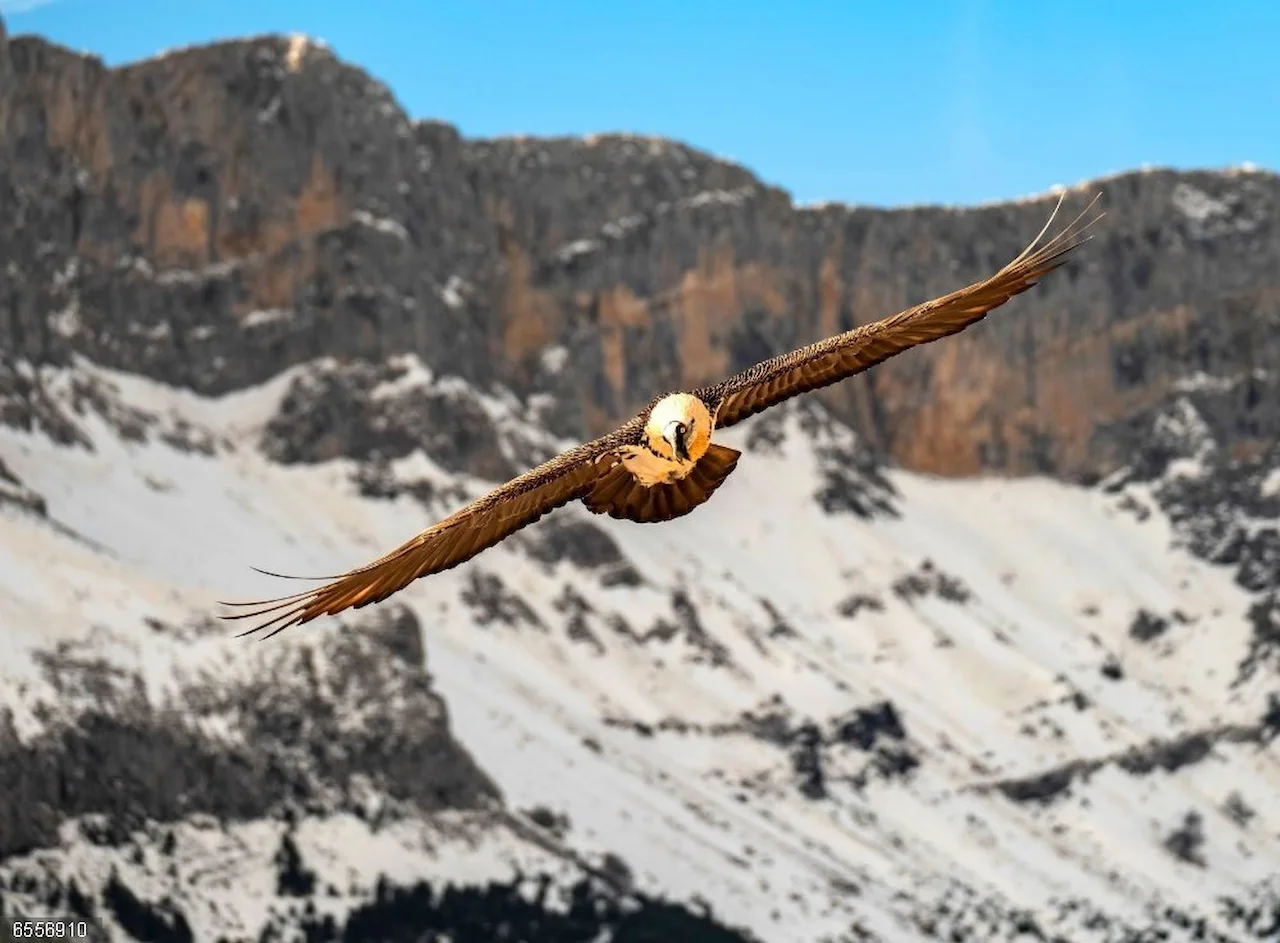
[(835, 703)]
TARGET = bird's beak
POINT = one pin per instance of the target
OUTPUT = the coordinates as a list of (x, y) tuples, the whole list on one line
[(675, 434)]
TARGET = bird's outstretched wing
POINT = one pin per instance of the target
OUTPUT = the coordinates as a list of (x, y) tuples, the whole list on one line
[(459, 537), (836, 358)]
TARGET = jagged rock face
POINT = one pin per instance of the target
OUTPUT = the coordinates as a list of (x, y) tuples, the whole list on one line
[(215, 215), (360, 413), (1198, 460), (219, 213), (1175, 282)]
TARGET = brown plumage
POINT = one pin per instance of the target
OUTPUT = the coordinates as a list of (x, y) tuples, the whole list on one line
[(661, 464), (618, 493)]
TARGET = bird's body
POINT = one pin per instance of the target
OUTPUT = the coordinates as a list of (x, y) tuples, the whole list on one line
[(663, 458), (662, 463)]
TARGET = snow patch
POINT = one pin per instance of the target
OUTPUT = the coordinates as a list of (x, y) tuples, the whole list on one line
[(638, 741), (1195, 204), (382, 224)]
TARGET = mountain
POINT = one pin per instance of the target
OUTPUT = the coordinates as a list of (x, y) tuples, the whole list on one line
[(985, 646), (214, 216)]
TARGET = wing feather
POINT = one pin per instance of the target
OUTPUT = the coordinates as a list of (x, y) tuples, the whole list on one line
[(459, 537), (839, 357)]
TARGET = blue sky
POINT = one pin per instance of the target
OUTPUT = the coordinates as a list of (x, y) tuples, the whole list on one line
[(953, 101)]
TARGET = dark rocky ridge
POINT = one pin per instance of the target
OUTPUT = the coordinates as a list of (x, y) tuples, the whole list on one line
[(1167, 755), (304, 727), (865, 744), (215, 215)]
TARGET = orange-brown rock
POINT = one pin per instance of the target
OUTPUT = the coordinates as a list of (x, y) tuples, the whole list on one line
[(215, 215)]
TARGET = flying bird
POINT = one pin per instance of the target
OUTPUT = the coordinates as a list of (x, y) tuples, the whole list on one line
[(662, 463)]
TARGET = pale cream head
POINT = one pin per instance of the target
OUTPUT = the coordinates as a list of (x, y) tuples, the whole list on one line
[(679, 428)]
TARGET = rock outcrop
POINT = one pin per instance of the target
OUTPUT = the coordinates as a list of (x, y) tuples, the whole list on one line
[(217, 214), (315, 727)]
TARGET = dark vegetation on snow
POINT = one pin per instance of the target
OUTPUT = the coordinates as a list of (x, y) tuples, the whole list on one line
[(506, 911)]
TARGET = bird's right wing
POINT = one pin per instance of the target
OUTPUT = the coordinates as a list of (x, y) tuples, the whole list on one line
[(836, 358), (457, 538)]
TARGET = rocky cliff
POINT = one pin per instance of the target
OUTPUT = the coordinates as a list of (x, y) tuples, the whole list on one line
[(250, 313), (215, 215)]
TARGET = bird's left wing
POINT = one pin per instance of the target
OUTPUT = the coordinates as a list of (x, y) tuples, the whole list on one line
[(457, 538), (836, 358)]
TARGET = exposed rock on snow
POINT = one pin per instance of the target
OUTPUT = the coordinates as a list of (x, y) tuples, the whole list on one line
[(986, 709)]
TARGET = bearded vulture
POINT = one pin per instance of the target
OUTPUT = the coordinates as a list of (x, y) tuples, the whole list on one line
[(662, 464)]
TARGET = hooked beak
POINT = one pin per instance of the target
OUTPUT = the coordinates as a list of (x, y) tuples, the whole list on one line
[(675, 434)]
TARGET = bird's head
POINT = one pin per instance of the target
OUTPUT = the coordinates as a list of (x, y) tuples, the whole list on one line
[(679, 428)]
